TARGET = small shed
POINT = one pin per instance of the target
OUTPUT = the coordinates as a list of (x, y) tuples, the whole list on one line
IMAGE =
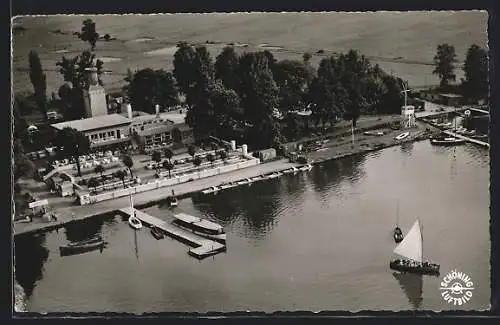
[(66, 189), (267, 154), (451, 99)]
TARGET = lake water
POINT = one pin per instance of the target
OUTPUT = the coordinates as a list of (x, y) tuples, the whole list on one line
[(315, 241)]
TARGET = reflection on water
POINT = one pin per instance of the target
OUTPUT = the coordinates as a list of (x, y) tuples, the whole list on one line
[(30, 256), (412, 285), (311, 241), (80, 231)]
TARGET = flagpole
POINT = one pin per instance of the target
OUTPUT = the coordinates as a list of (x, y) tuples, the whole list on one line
[(352, 131)]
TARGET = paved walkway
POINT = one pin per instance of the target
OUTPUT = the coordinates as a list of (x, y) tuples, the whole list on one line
[(80, 212)]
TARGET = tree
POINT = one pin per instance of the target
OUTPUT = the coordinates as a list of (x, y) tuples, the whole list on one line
[(99, 169), (306, 57), (258, 89), (168, 154), (23, 167), (147, 88), (222, 154), (197, 161), (73, 144), (156, 157), (327, 93), (226, 65), (475, 85), (39, 82), (192, 151), (444, 62), (128, 162), (214, 111), (293, 79), (184, 68), (93, 182), (88, 33), (120, 174), (168, 166), (211, 158)]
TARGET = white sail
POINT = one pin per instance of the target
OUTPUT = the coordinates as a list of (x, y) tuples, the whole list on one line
[(411, 246)]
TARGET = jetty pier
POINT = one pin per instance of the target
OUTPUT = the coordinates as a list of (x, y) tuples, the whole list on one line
[(201, 247), (427, 116)]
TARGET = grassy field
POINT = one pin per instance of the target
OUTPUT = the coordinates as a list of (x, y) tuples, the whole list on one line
[(401, 43)]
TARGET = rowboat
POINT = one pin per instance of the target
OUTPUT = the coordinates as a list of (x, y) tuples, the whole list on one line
[(306, 168), (210, 190), (402, 136), (447, 141), (377, 133), (157, 233), (82, 247)]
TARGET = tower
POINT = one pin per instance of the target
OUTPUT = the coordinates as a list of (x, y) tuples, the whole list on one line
[(407, 111), (94, 98)]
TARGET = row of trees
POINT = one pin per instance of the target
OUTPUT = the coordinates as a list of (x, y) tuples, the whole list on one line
[(244, 91), (475, 83)]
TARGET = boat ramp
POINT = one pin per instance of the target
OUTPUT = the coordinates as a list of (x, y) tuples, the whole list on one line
[(201, 247)]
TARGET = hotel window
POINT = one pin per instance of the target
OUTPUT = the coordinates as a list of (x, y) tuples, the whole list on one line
[(93, 136)]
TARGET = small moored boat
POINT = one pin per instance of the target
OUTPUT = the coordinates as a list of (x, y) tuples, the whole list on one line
[(274, 175), (447, 141), (82, 247), (133, 221), (377, 133), (210, 190), (402, 136), (227, 186), (157, 233), (306, 168), (201, 227), (244, 181)]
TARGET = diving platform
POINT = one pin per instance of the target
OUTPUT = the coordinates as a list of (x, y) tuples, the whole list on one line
[(478, 142), (201, 247)]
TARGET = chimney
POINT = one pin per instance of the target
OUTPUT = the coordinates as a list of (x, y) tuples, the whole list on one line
[(129, 110), (157, 109)]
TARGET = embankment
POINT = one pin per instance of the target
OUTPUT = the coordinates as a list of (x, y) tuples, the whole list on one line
[(334, 149)]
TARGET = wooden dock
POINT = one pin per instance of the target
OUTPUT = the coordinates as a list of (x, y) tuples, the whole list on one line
[(456, 135), (201, 247)]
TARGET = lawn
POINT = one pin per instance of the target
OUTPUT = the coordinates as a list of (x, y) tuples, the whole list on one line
[(402, 43)]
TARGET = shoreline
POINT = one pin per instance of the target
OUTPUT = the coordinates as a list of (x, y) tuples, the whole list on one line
[(146, 199)]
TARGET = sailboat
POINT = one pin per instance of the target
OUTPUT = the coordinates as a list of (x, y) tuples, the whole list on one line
[(398, 233), (411, 249), (133, 221), (172, 200)]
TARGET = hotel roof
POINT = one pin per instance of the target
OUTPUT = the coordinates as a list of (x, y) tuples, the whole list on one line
[(93, 123)]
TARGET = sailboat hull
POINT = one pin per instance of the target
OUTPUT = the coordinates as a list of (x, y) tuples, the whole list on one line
[(419, 268)]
